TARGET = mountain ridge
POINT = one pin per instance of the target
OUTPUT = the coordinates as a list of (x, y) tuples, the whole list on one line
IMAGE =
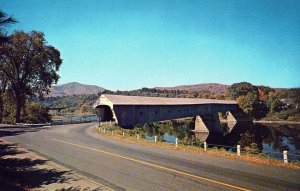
[(74, 88)]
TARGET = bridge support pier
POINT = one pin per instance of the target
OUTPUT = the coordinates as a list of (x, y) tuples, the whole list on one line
[(200, 126), (208, 124), (237, 116)]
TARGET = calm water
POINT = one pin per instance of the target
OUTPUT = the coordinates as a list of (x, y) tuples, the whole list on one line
[(270, 139)]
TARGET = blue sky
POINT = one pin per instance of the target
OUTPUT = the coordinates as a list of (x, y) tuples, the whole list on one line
[(132, 44)]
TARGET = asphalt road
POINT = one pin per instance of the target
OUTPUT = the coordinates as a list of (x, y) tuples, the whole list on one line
[(126, 166)]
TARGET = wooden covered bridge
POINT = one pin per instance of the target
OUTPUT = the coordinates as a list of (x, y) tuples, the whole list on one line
[(128, 111)]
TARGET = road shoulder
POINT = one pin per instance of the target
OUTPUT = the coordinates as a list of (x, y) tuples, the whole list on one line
[(21, 169)]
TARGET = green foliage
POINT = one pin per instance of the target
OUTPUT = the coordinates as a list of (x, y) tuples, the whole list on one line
[(9, 108), (31, 113), (151, 92), (147, 92), (274, 104), (250, 98), (282, 115), (294, 94), (81, 104), (252, 105), (34, 113), (30, 66), (265, 89), (247, 102), (242, 89), (262, 101), (4, 22)]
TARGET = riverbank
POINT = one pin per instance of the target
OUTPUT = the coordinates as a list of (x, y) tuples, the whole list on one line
[(277, 122), (132, 136)]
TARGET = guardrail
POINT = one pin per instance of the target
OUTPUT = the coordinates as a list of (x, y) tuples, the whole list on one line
[(67, 120), (75, 120), (33, 124)]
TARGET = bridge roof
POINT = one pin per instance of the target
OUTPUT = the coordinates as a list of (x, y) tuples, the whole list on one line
[(141, 100)]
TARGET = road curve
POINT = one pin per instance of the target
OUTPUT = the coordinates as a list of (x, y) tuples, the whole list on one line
[(127, 166)]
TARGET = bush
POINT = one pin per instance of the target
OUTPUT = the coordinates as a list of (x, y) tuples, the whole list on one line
[(34, 113), (282, 115)]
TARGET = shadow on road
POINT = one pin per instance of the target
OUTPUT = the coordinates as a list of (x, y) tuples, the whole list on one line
[(20, 172), (17, 130)]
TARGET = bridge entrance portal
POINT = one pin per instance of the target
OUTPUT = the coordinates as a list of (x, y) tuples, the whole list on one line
[(104, 112)]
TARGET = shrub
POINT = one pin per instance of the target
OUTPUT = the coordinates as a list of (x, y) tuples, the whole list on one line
[(34, 113)]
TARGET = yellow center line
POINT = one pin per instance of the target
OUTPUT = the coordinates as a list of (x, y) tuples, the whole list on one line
[(156, 166)]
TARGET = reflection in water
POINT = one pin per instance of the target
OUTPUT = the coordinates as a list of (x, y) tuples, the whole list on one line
[(236, 133), (254, 138), (230, 126)]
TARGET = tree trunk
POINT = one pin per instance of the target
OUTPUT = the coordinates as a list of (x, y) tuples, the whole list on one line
[(1, 108), (19, 106), (3, 83)]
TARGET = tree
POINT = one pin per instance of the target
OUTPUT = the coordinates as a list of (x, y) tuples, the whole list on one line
[(252, 106), (3, 85), (246, 103), (294, 94), (274, 104), (241, 89), (4, 22), (30, 66), (263, 92)]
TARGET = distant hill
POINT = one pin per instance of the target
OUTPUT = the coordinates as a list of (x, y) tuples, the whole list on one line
[(211, 87), (74, 88)]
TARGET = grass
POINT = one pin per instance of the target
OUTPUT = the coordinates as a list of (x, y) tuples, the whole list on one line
[(131, 137)]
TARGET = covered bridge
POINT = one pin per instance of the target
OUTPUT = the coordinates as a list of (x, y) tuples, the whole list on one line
[(128, 111)]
